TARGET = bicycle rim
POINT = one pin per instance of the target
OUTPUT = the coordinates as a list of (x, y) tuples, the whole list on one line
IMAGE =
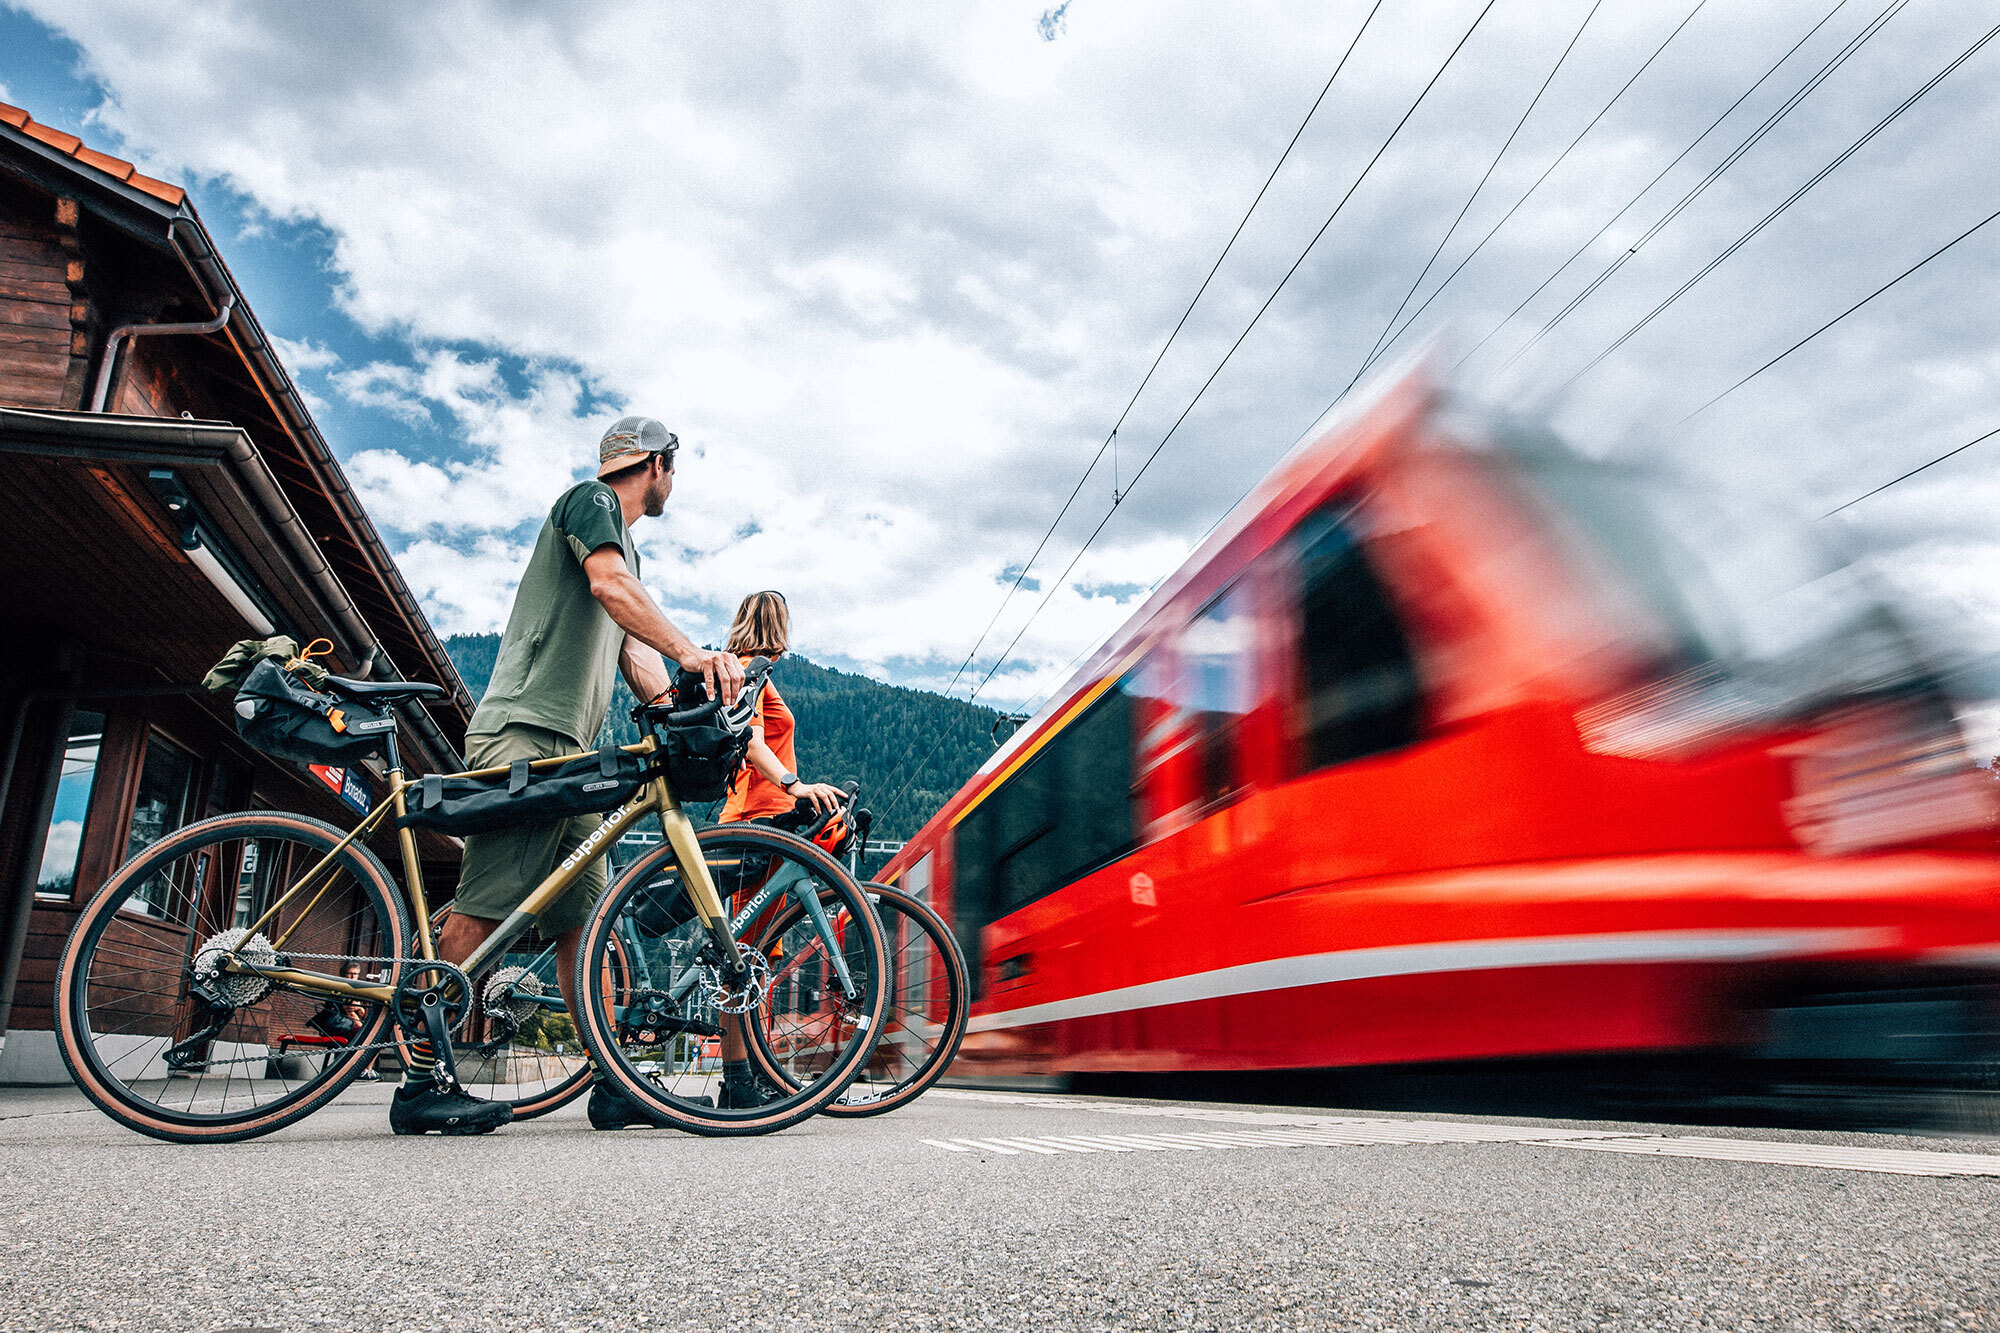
[(649, 1025), (925, 1017), (138, 1037)]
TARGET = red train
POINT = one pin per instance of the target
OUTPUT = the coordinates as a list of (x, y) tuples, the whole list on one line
[(1450, 744)]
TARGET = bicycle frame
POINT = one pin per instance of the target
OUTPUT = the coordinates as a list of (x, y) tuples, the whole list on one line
[(655, 797)]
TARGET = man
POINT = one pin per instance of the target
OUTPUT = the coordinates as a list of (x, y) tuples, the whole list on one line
[(579, 613)]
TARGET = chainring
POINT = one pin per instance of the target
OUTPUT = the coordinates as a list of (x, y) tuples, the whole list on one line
[(237, 988)]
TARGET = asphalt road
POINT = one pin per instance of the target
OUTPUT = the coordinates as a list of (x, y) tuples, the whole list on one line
[(1104, 1215)]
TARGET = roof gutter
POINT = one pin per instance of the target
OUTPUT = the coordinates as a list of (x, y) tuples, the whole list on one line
[(191, 244)]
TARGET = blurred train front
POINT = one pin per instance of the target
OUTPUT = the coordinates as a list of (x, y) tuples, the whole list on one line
[(1451, 745)]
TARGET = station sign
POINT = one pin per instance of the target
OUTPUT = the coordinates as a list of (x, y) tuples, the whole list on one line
[(350, 785)]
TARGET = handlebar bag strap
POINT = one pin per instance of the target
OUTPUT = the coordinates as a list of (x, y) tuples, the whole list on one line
[(589, 784)]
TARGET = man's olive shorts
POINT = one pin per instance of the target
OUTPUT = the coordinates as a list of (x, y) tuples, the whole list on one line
[(503, 867)]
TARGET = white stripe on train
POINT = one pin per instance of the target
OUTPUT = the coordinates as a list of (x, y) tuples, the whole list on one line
[(1404, 960)]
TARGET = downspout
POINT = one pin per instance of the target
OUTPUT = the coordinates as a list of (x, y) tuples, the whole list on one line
[(124, 331)]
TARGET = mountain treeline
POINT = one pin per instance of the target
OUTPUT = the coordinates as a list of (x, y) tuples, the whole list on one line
[(851, 729)]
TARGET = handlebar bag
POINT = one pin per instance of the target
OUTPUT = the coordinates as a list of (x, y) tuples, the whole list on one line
[(288, 719), (590, 784), (702, 761)]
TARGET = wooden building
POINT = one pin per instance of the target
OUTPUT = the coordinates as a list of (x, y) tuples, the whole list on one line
[(163, 493)]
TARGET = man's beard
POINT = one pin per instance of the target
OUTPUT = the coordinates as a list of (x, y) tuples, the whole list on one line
[(656, 500)]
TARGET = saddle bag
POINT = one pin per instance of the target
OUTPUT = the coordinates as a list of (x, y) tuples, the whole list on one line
[(590, 784), (286, 718)]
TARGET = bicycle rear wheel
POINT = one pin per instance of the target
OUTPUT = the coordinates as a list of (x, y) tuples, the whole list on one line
[(922, 1025), (170, 1046), (655, 1026)]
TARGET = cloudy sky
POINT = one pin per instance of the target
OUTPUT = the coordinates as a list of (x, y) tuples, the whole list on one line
[(893, 271)]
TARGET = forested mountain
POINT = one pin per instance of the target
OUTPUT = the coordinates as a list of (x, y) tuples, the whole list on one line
[(851, 728)]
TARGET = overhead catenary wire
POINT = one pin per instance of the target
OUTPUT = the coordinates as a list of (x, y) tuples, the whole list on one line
[(1113, 509), (1920, 264), (1788, 201), (1630, 204), (1227, 356), (1111, 438), (1951, 453), (1749, 141), (1470, 199), (1547, 171)]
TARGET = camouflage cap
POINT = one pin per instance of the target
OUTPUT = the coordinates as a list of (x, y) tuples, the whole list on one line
[(628, 442)]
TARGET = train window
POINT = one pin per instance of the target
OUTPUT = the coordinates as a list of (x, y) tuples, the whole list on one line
[(1061, 815), (1358, 680), (1214, 687)]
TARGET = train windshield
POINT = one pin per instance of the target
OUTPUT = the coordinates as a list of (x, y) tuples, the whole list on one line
[(1765, 622)]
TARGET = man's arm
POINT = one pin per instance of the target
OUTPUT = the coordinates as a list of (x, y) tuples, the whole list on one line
[(627, 602), (645, 670)]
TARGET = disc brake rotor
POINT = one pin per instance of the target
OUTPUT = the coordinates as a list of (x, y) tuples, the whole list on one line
[(749, 994), (238, 988)]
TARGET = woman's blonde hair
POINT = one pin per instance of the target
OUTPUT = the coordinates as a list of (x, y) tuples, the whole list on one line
[(763, 625)]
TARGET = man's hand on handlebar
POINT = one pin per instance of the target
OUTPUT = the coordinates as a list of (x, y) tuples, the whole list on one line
[(721, 673)]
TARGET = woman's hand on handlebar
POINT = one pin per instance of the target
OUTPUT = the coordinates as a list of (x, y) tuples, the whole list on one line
[(824, 796), (721, 673)]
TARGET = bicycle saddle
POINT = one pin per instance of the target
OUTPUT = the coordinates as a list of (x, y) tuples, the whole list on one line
[(386, 691)]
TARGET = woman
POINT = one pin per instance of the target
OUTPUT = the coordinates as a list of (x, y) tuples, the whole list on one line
[(767, 786)]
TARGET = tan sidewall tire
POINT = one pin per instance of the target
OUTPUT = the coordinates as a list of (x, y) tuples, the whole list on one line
[(955, 1023), (131, 1112), (599, 1036)]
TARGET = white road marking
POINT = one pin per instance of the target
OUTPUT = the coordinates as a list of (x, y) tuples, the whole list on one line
[(1831, 1156), (1287, 1129)]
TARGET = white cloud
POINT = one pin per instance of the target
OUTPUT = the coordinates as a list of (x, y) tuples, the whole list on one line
[(891, 273)]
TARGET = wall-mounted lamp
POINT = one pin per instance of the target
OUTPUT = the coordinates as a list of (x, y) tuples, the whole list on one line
[(207, 555)]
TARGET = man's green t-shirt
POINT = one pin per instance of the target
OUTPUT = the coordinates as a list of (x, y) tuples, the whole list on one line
[(559, 657)]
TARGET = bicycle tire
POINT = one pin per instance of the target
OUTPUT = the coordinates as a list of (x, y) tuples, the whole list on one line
[(484, 1077), (930, 1005), (155, 930), (648, 899)]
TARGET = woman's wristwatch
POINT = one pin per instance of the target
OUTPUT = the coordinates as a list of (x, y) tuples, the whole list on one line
[(787, 781)]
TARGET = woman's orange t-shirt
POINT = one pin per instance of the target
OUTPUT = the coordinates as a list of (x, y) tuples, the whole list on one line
[(752, 795)]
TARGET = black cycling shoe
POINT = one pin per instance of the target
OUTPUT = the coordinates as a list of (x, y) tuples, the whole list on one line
[(610, 1108), (436, 1108), (747, 1095)]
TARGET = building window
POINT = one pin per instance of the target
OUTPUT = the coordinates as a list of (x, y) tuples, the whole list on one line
[(1061, 815), (166, 796), (1359, 693), (63, 845)]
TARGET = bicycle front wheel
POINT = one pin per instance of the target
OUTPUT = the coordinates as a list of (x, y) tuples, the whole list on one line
[(657, 1019), (922, 1025), (168, 1043)]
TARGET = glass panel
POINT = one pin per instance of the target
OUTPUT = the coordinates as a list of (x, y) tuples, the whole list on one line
[(64, 842), (1359, 681), (1214, 687), (166, 790)]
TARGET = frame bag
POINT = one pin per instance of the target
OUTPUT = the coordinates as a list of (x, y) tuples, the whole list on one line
[(590, 784), (287, 719)]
